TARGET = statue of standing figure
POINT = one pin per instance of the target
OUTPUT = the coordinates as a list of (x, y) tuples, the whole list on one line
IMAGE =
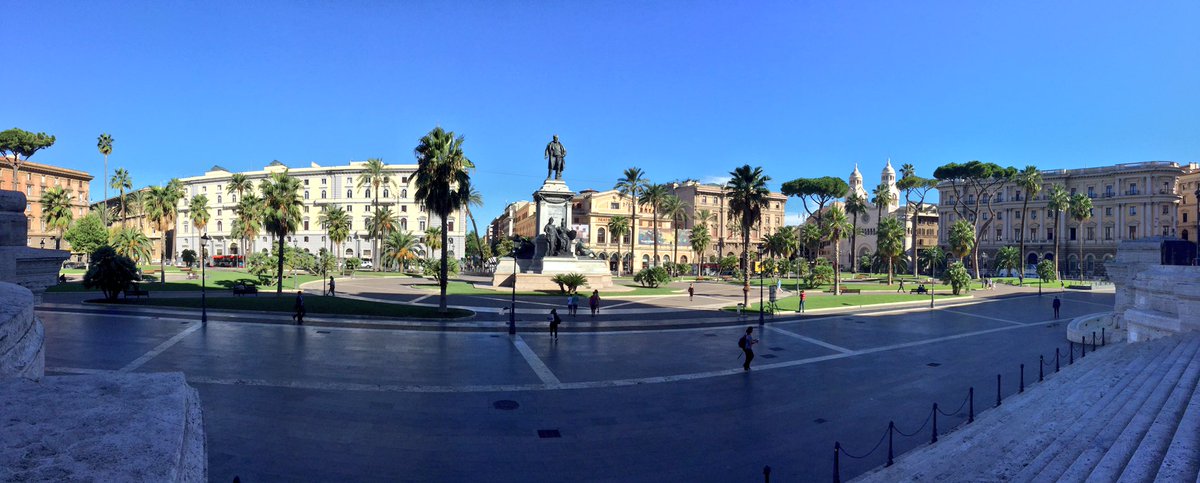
[(558, 243), (556, 156)]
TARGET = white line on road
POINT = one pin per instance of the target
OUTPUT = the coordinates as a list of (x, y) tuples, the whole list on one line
[(968, 314), (419, 299), (809, 340), (535, 362), (132, 366)]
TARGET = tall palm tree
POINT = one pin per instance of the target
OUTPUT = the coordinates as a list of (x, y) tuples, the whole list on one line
[(475, 200), (131, 243), (56, 211), (1029, 179), (700, 240), (618, 226), (249, 219), (198, 213), (1008, 259), (161, 205), (883, 197), (675, 210), (382, 222), (933, 257), (747, 192), (240, 184), (105, 144), (281, 205), (855, 206), (654, 195), (120, 181), (432, 239), (1060, 202), (889, 243), (962, 239), (632, 184), (376, 176), (336, 222), (1080, 210), (704, 217), (443, 186), (399, 247), (836, 227)]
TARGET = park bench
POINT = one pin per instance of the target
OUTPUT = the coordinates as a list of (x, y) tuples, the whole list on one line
[(245, 290), (135, 291), (918, 290), (847, 290)]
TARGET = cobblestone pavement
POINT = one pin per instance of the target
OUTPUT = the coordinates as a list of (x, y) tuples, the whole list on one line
[(322, 403)]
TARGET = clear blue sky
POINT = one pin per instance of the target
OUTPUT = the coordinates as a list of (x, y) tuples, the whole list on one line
[(681, 89)]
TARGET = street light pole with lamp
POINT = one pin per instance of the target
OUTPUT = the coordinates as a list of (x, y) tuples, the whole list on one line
[(1197, 193), (761, 308), (512, 308), (203, 278)]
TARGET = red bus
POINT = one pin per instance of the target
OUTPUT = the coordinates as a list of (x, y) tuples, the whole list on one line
[(226, 261)]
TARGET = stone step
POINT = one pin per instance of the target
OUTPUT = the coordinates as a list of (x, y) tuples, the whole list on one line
[(1134, 456), (1116, 408), (1107, 454), (1182, 459)]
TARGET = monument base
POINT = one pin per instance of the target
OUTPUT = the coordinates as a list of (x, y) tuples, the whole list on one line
[(537, 274)]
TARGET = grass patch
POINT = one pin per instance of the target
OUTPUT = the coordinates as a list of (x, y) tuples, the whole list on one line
[(909, 284), (215, 279), (790, 304), (458, 287), (312, 303)]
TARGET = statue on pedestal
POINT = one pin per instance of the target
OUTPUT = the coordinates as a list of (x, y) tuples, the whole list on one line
[(555, 156), (558, 242)]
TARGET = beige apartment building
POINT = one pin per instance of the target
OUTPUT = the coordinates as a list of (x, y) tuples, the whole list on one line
[(1189, 215), (518, 219), (1130, 201), (726, 232), (135, 217), (33, 180), (321, 186)]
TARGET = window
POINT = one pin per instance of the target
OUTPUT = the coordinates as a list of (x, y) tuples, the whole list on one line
[(1108, 233), (1108, 211), (704, 200), (1072, 191), (450, 225), (349, 208), (349, 194), (220, 226), (1132, 209), (218, 212), (385, 193), (998, 234), (1133, 232), (306, 194), (367, 193), (306, 240), (404, 208), (404, 193), (306, 228), (1071, 234), (1049, 234), (322, 181), (1164, 210), (323, 193), (205, 188), (306, 208), (404, 224), (1185, 217), (1091, 233), (1018, 215), (1108, 190), (600, 235), (1091, 191), (1033, 233), (422, 227), (218, 199), (1033, 215), (614, 205), (306, 184)]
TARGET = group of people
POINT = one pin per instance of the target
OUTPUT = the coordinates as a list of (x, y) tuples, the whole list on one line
[(572, 310)]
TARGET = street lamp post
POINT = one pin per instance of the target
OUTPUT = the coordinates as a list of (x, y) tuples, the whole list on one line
[(1197, 193), (43, 244), (512, 308), (203, 293), (761, 308), (295, 248)]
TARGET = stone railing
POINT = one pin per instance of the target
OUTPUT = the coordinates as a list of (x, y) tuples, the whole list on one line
[(1154, 300), (21, 334)]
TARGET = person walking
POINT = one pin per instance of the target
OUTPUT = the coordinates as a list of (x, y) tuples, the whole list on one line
[(331, 292), (299, 308), (802, 297), (691, 291), (746, 343), (572, 304), (594, 302), (901, 289), (554, 321), (1057, 304)]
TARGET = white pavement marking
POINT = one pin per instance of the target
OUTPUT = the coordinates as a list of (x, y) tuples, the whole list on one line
[(78, 370), (132, 366), (419, 299), (968, 314), (809, 340), (535, 362)]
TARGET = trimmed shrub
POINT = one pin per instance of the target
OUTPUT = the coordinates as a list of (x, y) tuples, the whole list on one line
[(569, 282), (652, 277), (110, 272)]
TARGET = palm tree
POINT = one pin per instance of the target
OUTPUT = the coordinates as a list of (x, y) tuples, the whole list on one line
[(161, 205), (375, 175), (120, 181), (855, 206), (674, 209), (198, 213), (104, 144), (933, 257), (1030, 179), (889, 242), (240, 184), (399, 247), (443, 186), (1060, 202), (700, 240), (747, 192), (281, 206), (1008, 258), (632, 185), (432, 240), (618, 226), (249, 219), (336, 222), (836, 227), (382, 222), (1080, 210), (56, 211), (131, 243), (883, 197), (654, 195), (704, 217), (962, 239), (475, 200)]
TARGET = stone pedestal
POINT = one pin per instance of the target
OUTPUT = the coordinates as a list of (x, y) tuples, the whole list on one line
[(31, 268), (22, 336), (1153, 300), (527, 278), (553, 200)]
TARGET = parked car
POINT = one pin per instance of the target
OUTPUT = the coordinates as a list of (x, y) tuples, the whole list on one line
[(366, 264)]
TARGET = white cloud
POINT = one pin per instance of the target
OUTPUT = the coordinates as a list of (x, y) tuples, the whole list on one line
[(793, 219), (715, 179)]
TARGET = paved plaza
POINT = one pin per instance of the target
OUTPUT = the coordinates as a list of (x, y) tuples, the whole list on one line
[(328, 403)]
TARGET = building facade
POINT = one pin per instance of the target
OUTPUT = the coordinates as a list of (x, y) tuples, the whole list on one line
[(320, 186), (33, 180), (1189, 210), (702, 198), (1129, 201), (135, 217)]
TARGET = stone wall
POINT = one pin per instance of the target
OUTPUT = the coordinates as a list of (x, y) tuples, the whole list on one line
[(1154, 300), (31, 268), (21, 334)]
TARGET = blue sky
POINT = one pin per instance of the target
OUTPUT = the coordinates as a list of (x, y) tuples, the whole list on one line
[(680, 89)]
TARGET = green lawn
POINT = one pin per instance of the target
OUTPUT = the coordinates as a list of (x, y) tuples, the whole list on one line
[(790, 304), (312, 303), (456, 287), (215, 279), (909, 284)]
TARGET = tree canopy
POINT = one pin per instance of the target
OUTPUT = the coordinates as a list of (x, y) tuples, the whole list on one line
[(820, 190)]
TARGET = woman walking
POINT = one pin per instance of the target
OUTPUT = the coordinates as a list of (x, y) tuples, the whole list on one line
[(554, 321), (594, 302)]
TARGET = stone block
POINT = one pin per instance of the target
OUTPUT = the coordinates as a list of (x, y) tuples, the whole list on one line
[(22, 336)]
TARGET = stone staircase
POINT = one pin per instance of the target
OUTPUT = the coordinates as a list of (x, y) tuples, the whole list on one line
[(1124, 413)]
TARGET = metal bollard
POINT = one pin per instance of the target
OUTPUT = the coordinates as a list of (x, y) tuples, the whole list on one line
[(1022, 386), (1082, 346), (891, 429), (971, 405), (1103, 339), (997, 390), (767, 474), (1056, 360), (1093, 341), (837, 471), (935, 411), (1041, 366), (1072, 357)]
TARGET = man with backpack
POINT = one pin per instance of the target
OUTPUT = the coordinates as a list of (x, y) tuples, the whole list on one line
[(746, 343)]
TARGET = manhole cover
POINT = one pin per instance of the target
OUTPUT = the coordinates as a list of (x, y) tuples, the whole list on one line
[(776, 349), (820, 421), (506, 405), (934, 364), (549, 433), (768, 356)]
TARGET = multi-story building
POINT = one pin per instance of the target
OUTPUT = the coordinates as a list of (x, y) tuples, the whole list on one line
[(518, 219), (592, 210), (33, 180), (1189, 210), (320, 186), (135, 217), (1129, 201), (726, 234)]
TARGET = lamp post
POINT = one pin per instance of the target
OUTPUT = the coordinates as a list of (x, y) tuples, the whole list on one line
[(295, 248), (512, 308), (1197, 193), (203, 293), (43, 244), (761, 308)]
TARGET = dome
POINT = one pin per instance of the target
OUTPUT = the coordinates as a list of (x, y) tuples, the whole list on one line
[(855, 174), (888, 169)]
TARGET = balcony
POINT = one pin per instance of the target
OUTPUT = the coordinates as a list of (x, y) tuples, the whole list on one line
[(1132, 192)]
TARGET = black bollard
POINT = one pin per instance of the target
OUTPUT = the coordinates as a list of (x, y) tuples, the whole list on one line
[(1022, 386), (1082, 346), (1093, 341), (837, 471), (891, 429), (1056, 360), (767, 474), (1041, 364), (1071, 360), (1103, 339), (935, 411), (997, 390), (971, 405)]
